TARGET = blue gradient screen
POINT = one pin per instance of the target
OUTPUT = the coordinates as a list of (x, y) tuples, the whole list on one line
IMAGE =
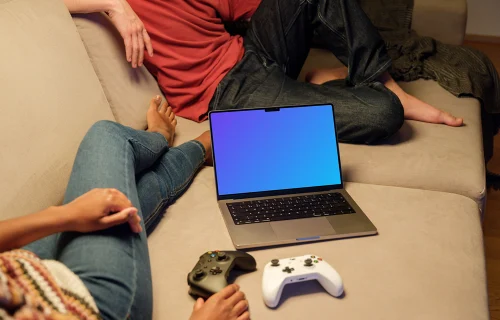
[(257, 151)]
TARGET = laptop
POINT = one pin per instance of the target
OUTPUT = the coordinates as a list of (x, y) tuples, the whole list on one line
[(278, 177)]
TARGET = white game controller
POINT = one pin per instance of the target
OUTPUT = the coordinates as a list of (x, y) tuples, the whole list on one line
[(279, 273)]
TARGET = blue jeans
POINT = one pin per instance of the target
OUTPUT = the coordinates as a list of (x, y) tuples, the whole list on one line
[(276, 46), (114, 263)]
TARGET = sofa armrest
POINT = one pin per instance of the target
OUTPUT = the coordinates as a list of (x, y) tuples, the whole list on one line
[(444, 20)]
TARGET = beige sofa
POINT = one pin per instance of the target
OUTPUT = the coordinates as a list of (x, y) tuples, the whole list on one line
[(424, 189)]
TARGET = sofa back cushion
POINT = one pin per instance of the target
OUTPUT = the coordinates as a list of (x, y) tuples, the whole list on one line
[(49, 98), (128, 90)]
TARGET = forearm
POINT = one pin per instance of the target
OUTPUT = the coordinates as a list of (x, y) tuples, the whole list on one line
[(88, 6), (18, 232)]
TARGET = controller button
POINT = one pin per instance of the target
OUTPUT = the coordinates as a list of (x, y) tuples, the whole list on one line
[(213, 255), (288, 270), (275, 262), (198, 274), (315, 261), (308, 262), (320, 259), (313, 257), (221, 256), (209, 252)]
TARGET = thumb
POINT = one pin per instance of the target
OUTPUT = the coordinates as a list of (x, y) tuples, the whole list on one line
[(119, 217), (198, 304)]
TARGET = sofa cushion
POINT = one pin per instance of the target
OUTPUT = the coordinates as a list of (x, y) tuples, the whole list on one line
[(421, 155), (50, 97), (128, 90), (429, 15), (426, 263)]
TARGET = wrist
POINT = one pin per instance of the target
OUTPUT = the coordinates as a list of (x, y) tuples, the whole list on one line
[(113, 7), (61, 218)]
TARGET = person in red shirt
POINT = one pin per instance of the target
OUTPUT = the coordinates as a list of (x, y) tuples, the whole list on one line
[(201, 67)]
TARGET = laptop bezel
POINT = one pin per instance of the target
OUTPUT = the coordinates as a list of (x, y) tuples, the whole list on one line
[(280, 192)]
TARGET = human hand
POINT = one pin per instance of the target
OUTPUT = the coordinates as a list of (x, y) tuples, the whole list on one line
[(228, 304), (100, 209), (132, 30)]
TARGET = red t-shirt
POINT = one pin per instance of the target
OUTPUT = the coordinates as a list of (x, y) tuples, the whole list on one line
[(192, 50)]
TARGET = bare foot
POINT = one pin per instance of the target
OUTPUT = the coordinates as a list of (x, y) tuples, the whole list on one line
[(206, 141), (161, 120), (320, 76), (416, 109)]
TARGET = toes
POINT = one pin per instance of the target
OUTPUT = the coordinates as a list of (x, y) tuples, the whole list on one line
[(174, 122), (155, 102), (163, 107), (170, 115), (168, 111), (450, 120)]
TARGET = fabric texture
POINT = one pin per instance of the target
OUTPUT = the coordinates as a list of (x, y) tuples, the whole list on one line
[(114, 263), (428, 252), (32, 289), (193, 51), (277, 44), (50, 96), (428, 17), (127, 90), (460, 70)]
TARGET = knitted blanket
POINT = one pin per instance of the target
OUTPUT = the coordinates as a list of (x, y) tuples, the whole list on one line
[(45, 290)]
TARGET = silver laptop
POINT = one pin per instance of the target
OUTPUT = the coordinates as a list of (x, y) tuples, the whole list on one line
[(278, 177)]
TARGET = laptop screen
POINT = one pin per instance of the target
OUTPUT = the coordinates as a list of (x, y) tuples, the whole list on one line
[(260, 150)]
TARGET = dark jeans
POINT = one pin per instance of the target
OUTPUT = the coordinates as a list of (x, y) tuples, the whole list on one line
[(276, 46)]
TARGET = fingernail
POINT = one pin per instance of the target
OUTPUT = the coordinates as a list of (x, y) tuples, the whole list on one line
[(132, 213), (157, 98)]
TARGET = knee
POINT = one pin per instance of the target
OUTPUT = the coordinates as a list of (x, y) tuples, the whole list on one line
[(385, 118), (102, 131)]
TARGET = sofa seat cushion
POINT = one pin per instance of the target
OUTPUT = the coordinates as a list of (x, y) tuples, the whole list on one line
[(49, 98), (426, 156), (426, 263), (421, 155)]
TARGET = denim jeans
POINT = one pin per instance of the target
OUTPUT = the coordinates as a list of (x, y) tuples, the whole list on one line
[(276, 46), (114, 263)]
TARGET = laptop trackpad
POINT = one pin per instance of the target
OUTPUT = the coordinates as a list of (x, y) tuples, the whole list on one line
[(302, 228)]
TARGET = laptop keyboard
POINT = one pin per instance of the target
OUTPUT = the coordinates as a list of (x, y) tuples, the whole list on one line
[(299, 207)]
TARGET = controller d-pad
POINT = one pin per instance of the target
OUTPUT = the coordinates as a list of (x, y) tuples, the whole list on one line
[(288, 270), (215, 271)]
